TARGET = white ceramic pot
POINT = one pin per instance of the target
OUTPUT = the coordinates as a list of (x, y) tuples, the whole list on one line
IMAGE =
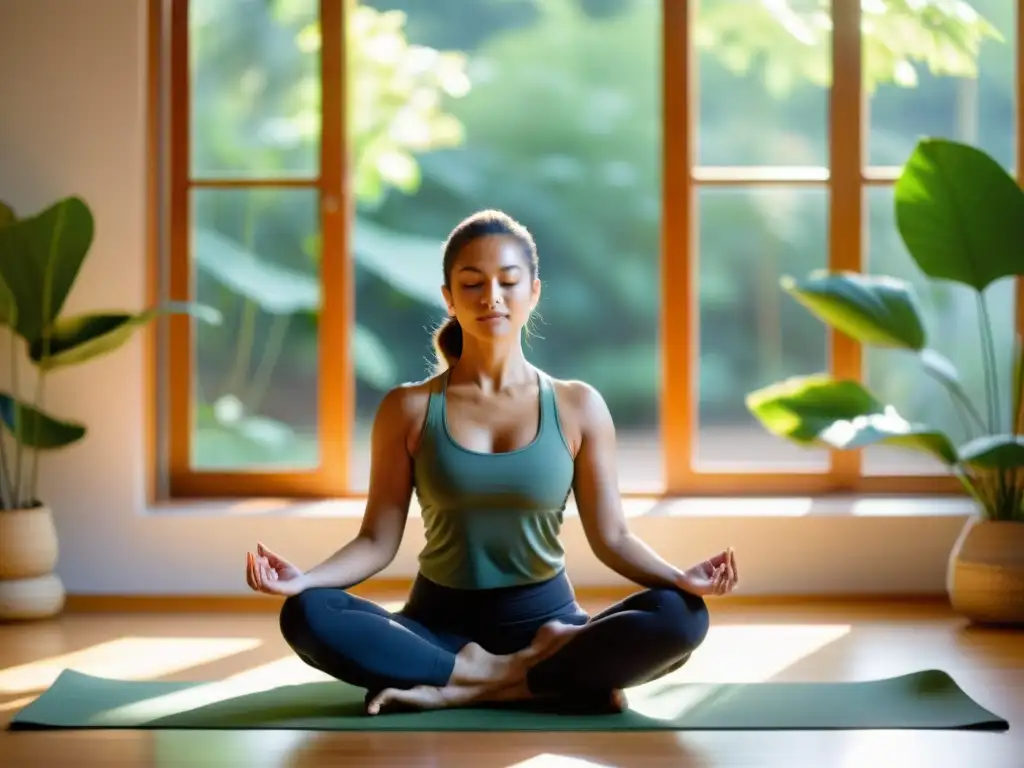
[(28, 543), (29, 589), (39, 597)]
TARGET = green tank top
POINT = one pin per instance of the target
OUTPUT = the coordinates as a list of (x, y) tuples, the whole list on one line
[(492, 519)]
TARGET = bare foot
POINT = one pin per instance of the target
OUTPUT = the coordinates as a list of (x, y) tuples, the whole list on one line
[(547, 642), (476, 666), (426, 697), (480, 676)]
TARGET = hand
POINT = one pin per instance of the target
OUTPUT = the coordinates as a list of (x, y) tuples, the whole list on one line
[(272, 574), (715, 576)]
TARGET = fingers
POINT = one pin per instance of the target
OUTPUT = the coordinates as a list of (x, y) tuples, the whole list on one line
[(272, 558), (251, 575), (259, 574)]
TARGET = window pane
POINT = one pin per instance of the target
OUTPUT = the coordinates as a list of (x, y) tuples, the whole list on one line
[(256, 259), (255, 80), (766, 65), (548, 111), (951, 322), (930, 84), (751, 333)]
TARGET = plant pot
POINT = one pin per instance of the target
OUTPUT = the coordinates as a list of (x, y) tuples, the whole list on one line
[(39, 597), (28, 553), (985, 579)]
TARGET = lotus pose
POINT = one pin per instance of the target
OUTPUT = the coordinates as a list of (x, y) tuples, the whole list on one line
[(492, 447)]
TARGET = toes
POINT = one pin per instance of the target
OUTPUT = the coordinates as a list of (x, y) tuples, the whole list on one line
[(619, 701), (374, 705)]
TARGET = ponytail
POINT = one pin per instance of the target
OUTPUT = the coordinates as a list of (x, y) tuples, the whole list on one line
[(448, 343)]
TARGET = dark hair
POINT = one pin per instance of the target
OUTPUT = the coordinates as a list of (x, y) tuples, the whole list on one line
[(448, 336)]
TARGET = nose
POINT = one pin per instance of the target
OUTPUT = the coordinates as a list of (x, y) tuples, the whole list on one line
[(491, 295)]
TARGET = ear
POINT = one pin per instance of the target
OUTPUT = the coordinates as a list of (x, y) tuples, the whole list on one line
[(448, 300), (535, 294)]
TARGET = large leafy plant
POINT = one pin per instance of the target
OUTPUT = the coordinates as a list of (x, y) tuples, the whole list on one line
[(41, 257), (961, 217)]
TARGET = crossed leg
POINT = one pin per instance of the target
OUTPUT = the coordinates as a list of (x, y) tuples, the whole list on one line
[(399, 660), (641, 638)]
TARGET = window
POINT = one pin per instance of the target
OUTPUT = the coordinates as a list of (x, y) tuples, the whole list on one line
[(673, 160)]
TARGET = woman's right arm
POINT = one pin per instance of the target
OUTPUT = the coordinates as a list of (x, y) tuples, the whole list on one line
[(387, 504)]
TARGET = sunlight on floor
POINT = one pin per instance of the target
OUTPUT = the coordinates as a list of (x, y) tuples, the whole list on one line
[(548, 760), (734, 655), (251, 749), (127, 658), (289, 670)]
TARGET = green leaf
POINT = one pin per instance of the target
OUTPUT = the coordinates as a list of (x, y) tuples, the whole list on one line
[(840, 414), (409, 263), (941, 368), (803, 407), (8, 312), (274, 289), (7, 214), (871, 309), (960, 214), (40, 257), (80, 338), (38, 429), (994, 452), (375, 364)]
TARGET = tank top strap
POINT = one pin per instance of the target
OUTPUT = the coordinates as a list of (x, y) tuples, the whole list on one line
[(435, 403), (548, 405)]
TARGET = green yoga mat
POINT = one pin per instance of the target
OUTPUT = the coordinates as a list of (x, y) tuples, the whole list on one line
[(929, 699)]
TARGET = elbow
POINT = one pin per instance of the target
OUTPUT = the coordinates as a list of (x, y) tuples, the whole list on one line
[(382, 549), (608, 546)]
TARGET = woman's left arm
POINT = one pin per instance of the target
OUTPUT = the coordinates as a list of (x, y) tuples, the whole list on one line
[(596, 487)]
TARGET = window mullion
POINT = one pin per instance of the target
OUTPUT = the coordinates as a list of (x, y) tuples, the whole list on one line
[(679, 336), (335, 370), (846, 144)]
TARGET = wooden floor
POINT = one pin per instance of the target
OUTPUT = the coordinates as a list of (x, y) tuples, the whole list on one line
[(827, 642)]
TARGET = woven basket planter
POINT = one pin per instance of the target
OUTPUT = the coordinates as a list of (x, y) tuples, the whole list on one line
[(986, 573)]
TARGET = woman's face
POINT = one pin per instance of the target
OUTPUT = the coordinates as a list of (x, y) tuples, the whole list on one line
[(492, 292)]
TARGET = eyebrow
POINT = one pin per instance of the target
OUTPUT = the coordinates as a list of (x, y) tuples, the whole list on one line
[(506, 268)]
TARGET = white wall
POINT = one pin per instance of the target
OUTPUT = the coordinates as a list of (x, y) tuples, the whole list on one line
[(72, 78)]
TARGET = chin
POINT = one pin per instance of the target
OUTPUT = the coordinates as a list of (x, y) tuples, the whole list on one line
[(500, 329)]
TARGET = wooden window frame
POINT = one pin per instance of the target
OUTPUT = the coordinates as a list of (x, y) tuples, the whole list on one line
[(845, 181)]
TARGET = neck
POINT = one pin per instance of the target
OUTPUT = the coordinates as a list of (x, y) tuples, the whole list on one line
[(492, 366)]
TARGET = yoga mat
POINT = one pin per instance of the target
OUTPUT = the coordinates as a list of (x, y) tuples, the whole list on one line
[(922, 700)]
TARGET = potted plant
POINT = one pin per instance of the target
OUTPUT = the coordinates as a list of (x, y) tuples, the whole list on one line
[(961, 217), (40, 259)]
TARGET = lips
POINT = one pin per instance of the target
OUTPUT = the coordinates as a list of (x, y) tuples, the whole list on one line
[(483, 318)]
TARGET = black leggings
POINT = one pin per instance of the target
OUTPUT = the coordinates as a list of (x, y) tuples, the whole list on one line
[(645, 636)]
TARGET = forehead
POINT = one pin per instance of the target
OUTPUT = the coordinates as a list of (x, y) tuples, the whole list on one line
[(491, 252)]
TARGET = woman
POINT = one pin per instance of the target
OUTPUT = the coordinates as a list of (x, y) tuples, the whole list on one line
[(493, 447)]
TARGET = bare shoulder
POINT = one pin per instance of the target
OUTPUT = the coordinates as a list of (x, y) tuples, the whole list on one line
[(403, 409), (582, 411)]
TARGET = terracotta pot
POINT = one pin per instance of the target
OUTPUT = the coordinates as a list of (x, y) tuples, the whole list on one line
[(985, 579), (28, 543), (36, 598)]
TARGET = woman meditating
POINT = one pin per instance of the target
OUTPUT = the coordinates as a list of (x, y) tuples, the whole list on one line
[(492, 447)]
